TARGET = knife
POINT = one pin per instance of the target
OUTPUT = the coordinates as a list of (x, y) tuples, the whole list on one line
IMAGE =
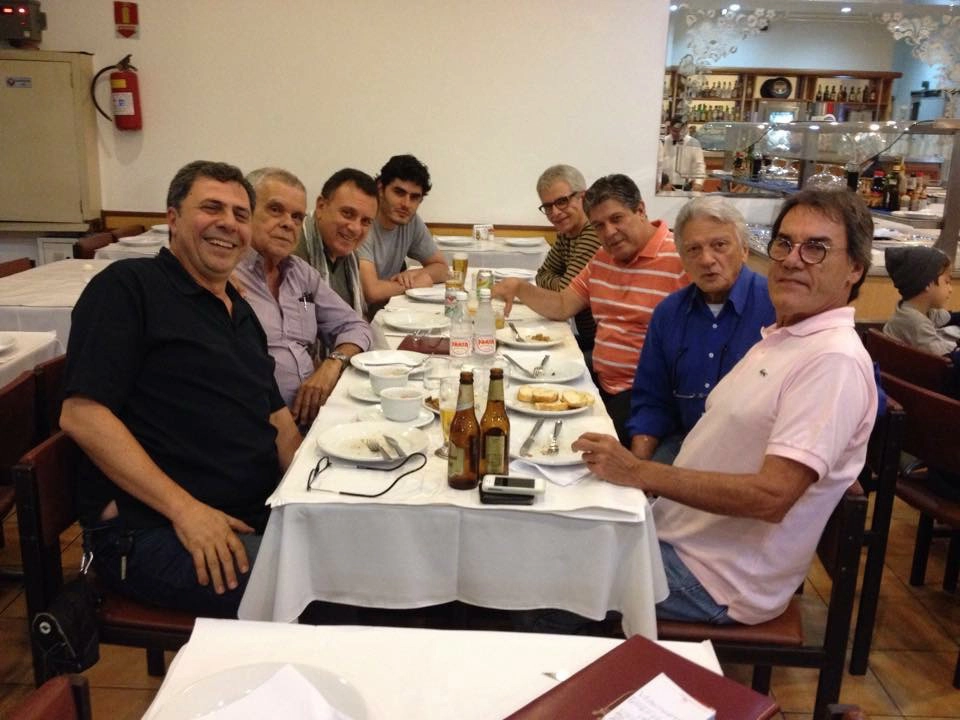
[(396, 446), (528, 443), (517, 365)]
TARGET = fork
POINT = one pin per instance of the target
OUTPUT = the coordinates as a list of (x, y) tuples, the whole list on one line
[(539, 370), (516, 333), (554, 447), (397, 362), (373, 445)]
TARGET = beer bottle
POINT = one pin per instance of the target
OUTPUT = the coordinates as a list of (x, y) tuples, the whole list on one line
[(495, 430), (463, 462)]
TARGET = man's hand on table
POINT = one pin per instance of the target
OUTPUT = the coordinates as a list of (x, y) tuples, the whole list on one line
[(210, 536), (315, 391), (506, 290), (413, 279), (608, 459)]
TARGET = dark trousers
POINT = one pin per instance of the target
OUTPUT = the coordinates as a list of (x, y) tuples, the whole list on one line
[(618, 408), (160, 571)]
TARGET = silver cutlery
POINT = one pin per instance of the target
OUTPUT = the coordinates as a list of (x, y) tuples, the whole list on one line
[(516, 333), (373, 445), (554, 447), (397, 362), (528, 443), (538, 371), (521, 368), (396, 446)]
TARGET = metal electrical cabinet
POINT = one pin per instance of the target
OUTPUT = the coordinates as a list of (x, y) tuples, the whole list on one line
[(49, 167)]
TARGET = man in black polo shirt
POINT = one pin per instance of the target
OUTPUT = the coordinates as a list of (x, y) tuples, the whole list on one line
[(171, 395)]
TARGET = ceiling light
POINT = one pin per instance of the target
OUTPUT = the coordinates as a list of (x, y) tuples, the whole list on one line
[(673, 8), (734, 7), (846, 9)]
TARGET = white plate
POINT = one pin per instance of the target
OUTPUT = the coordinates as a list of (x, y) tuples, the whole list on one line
[(230, 685), (454, 240), (163, 228), (435, 294), (142, 240), (505, 336), (572, 428), (432, 409), (375, 414), (346, 441), (501, 273), (363, 392), (555, 372), (513, 404), (411, 320), (388, 357), (524, 241), (7, 342)]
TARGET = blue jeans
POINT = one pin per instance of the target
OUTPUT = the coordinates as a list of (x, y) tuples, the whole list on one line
[(668, 448), (160, 571), (688, 600)]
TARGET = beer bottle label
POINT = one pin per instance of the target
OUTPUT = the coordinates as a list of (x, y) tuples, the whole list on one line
[(455, 460), (495, 453)]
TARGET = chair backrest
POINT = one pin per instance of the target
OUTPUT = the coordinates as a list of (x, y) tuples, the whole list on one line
[(933, 372), (65, 697), (127, 231), (930, 431), (883, 451), (17, 420), (14, 266), (49, 380), (85, 247), (839, 551), (45, 480)]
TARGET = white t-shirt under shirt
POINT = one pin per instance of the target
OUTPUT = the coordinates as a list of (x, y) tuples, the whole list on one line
[(805, 392), (387, 249)]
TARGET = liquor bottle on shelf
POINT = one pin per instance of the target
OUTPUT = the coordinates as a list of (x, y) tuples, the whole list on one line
[(873, 94), (819, 95), (842, 96), (495, 430), (833, 93), (463, 462)]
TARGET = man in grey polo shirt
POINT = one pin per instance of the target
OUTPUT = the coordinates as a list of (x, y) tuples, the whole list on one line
[(398, 233)]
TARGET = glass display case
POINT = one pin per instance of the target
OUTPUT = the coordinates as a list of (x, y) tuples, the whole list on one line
[(773, 159)]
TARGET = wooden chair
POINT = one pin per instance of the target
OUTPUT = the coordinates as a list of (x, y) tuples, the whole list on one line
[(11, 267), (127, 231), (930, 435), (933, 372), (66, 697), (49, 383), (879, 476), (781, 641), (18, 420), (85, 248), (45, 481)]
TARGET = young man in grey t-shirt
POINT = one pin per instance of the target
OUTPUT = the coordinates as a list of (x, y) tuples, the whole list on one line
[(398, 233)]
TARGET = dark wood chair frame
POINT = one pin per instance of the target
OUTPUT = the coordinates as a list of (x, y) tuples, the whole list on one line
[(85, 248), (780, 642), (18, 420), (12, 267), (933, 372), (66, 692), (49, 382), (45, 482)]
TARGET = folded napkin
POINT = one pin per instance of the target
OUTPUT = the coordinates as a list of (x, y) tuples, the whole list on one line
[(427, 344), (557, 474), (287, 694)]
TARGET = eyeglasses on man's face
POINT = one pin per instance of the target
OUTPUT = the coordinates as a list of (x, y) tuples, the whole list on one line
[(812, 252), (560, 203)]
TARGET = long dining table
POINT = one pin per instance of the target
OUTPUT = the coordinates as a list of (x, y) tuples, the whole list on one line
[(527, 253), (22, 351), (586, 546)]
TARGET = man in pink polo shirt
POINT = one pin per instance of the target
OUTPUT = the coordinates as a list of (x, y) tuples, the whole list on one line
[(784, 434), (636, 267)]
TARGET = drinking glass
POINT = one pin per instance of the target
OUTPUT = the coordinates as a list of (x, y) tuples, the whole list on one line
[(435, 369), (449, 390)]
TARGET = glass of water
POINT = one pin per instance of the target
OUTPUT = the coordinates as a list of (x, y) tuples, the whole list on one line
[(434, 371)]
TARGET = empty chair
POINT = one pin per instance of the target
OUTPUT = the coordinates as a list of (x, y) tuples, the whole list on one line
[(85, 247), (933, 372), (782, 641), (46, 482), (49, 383), (14, 266), (66, 697), (18, 420)]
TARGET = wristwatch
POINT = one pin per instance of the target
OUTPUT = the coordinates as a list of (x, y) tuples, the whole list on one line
[(342, 357)]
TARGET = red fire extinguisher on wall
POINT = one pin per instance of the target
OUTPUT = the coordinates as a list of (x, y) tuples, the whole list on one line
[(124, 95)]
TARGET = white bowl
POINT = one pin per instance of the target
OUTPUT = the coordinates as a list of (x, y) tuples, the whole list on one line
[(401, 404), (388, 376)]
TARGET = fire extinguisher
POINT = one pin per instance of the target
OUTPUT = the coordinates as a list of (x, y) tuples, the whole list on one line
[(124, 95)]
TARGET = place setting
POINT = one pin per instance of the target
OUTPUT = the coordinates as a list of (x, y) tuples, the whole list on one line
[(531, 337)]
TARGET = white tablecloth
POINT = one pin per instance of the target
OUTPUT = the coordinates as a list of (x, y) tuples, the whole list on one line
[(43, 297), (425, 544), (400, 672), (29, 349), (497, 253), (119, 250)]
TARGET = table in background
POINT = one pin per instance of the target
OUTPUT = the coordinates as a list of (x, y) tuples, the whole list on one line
[(497, 253), (401, 672), (43, 297), (29, 350), (120, 250), (425, 544)]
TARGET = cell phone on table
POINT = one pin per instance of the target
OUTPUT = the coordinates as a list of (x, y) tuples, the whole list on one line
[(511, 485), (492, 498)]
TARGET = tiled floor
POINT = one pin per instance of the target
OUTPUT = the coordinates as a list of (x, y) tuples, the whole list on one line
[(911, 666)]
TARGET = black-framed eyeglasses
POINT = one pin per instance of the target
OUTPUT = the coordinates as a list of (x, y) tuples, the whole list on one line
[(560, 203), (812, 252)]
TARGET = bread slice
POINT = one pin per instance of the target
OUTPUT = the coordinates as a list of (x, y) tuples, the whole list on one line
[(577, 399), (525, 393), (555, 406), (545, 395)]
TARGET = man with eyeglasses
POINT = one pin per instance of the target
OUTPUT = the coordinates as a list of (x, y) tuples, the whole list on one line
[(784, 434), (635, 269), (681, 159), (398, 233), (561, 189), (699, 333), (345, 209)]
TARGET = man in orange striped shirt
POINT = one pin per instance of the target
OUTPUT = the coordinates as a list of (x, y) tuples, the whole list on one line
[(637, 267)]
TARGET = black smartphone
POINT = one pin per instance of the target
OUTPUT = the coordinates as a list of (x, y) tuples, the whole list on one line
[(505, 498)]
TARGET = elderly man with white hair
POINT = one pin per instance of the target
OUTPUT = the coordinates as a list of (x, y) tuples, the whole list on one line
[(699, 333)]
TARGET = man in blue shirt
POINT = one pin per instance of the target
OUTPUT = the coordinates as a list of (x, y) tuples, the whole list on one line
[(699, 333)]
